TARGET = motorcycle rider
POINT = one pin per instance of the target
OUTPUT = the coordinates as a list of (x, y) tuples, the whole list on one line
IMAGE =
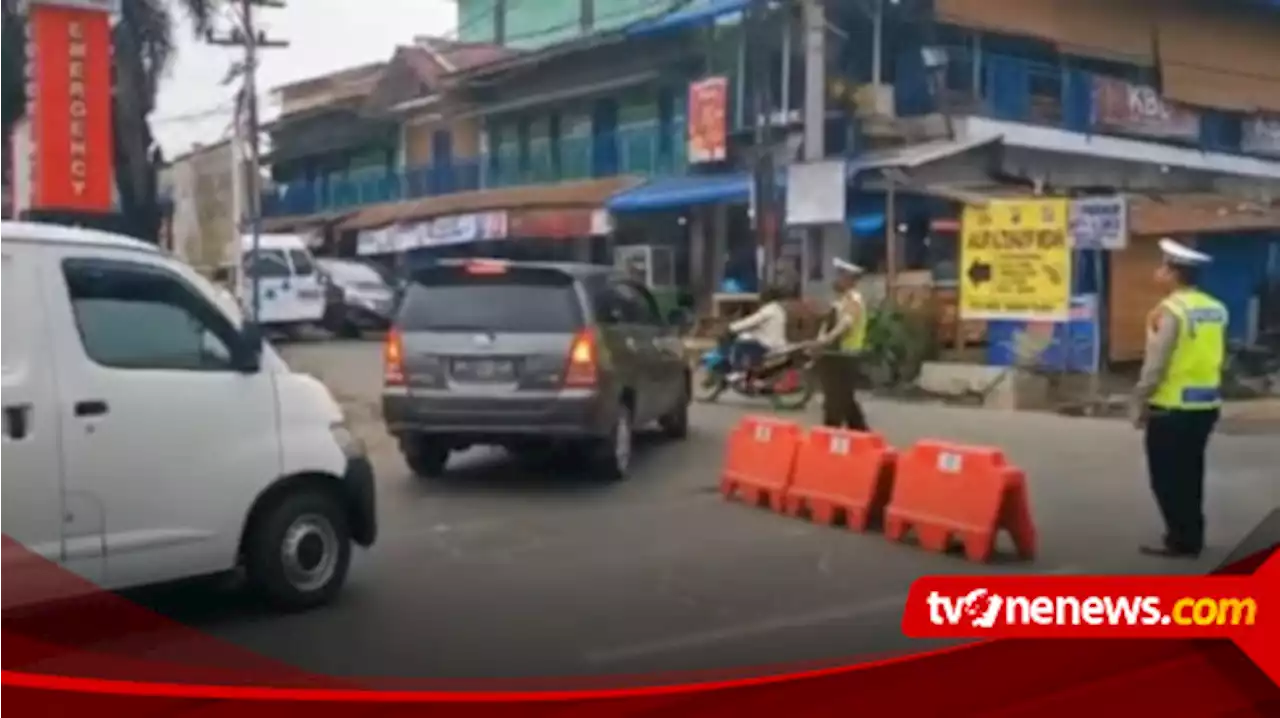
[(763, 332)]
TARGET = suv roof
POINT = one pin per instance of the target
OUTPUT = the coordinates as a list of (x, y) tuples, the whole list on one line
[(578, 270), (46, 233)]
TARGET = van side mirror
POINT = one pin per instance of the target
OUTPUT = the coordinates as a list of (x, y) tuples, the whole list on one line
[(248, 359)]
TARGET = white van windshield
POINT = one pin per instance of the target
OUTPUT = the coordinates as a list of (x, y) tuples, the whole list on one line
[(266, 263), (302, 264)]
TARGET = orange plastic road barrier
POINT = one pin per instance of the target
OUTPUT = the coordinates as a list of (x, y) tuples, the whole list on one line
[(759, 461), (840, 470), (946, 490)]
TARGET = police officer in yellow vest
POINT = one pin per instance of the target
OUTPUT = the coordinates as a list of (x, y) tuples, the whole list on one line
[(1177, 398), (840, 344)]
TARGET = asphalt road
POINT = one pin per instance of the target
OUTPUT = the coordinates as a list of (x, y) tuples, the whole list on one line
[(499, 571)]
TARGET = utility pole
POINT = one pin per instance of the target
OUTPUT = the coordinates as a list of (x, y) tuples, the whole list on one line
[(759, 36), (247, 36), (814, 22)]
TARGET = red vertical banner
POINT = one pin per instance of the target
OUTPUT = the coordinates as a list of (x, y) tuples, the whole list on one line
[(69, 58), (708, 120)]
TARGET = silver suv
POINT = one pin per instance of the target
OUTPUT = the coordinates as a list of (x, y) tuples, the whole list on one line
[(533, 357)]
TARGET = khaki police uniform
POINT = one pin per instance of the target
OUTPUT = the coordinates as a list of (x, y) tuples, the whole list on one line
[(1178, 399), (839, 364)]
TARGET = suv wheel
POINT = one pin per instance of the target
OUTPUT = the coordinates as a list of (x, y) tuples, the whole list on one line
[(298, 552), (613, 454), (675, 424), (425, 459)]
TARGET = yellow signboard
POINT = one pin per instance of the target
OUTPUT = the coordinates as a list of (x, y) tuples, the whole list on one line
[(1015, 261)]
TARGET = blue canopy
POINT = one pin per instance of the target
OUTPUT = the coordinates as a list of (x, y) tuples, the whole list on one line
[(676, 192), (697, 12)]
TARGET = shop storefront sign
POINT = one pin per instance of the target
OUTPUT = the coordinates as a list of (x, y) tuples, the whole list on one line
[(708, 126), (69, 71), (550, 223), (1261, 135), (1121, 106), (438, 232), (1015, 261), (1099, 223), (374, 241)]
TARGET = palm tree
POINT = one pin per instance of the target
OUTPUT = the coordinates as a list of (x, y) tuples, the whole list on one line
[(143, 48)]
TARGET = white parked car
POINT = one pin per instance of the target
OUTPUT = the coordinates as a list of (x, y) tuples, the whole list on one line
[(150, 434)]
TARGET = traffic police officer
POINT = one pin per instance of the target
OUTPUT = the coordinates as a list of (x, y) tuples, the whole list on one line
[(1177, 399), (840, 342)]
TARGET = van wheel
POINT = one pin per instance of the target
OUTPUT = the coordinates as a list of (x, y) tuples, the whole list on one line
[(298, 552), (425, 459), (611, 458)]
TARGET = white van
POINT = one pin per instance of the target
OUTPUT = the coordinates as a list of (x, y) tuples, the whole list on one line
[(151, 434), (292, 293)]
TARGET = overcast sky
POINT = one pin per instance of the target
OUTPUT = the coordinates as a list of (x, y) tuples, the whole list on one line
[(324, 36)]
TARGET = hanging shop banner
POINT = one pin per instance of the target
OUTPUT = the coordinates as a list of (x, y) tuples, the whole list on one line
[(550, 223), (1261, 136), (373, 241), (816, 193), (1015, 261), (69, 73), (708, 120), (1099, 223), (493, 225), (1123, 107)]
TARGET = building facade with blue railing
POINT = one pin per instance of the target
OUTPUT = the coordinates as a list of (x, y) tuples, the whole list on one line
[(602, 111)]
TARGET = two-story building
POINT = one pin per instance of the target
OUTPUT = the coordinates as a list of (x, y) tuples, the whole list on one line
[(321, 145), (1176, 104)]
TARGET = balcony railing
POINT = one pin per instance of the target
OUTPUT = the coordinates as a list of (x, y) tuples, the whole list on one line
[(641, 150), (1014, 88)]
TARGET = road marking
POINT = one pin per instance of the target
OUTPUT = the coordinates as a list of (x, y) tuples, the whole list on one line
[(733, 633), (702, 639)]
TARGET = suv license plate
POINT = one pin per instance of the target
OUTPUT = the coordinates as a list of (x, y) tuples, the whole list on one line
[(484, 370)]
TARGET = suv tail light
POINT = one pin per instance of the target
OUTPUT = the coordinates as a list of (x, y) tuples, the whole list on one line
[(393, 359), (582, 369)]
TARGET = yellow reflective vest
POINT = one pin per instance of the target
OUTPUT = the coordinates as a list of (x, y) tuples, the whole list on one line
[(1193, 376), (855, 338)]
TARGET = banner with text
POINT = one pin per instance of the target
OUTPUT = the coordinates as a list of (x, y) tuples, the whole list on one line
[(1015, 261), (708, 120), (70, 76)]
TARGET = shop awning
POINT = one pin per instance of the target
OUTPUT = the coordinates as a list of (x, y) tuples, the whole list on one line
[(698, 12), (676, 192), (915, 156)]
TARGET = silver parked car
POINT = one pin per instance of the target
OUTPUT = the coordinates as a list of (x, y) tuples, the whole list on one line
[(358, 297), (532, 357)]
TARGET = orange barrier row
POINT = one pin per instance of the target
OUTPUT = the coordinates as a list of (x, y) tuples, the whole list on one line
[(939, 492)]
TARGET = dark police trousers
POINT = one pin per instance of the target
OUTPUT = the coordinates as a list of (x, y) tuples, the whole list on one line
[(1175, 443), (839, 375)]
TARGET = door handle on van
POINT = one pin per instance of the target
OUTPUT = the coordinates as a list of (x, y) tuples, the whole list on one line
[(16, 421), (91, 407)]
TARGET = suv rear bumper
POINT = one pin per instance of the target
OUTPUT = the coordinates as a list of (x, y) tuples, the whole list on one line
[(479, 419)]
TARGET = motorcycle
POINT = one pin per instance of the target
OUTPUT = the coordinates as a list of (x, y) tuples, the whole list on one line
[(1252, 370), (785, 377)]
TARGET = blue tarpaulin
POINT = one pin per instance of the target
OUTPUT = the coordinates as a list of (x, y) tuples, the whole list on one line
[(676, 192), (698, 12)]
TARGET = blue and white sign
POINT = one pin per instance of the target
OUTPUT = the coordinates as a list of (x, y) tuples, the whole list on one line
[(1072, 346), (1099, 223)]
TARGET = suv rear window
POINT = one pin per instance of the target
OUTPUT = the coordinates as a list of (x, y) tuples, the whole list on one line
[(516, 300)]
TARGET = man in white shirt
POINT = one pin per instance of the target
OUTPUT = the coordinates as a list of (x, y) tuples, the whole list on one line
[(763, 332)]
